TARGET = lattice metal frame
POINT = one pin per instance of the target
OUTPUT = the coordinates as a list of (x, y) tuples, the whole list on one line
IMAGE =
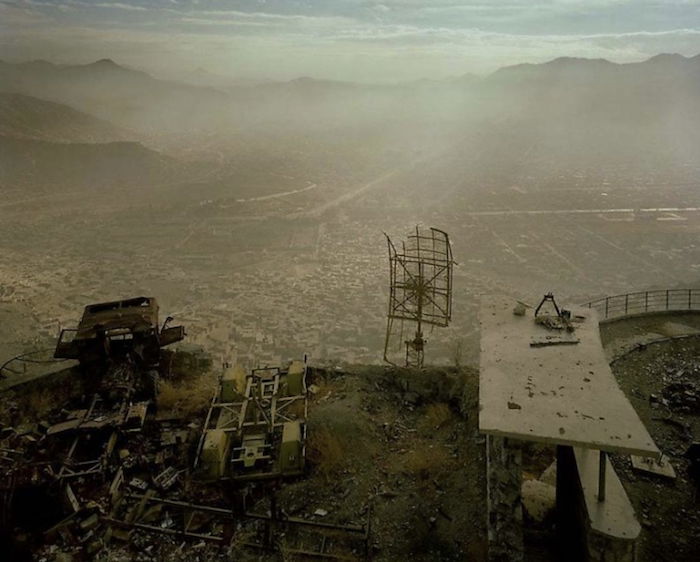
[(420, 287), (263, 410)]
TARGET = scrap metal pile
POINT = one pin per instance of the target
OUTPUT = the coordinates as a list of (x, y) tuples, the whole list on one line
[(110, 469)]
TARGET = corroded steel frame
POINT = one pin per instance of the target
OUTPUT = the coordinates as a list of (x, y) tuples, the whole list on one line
[(420, 287)]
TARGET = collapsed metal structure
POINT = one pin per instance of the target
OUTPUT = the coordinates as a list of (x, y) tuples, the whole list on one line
[(303, 538), (256, 425), (420, 288), (118, 328), (112, 466), (118, 345), (124, 339)]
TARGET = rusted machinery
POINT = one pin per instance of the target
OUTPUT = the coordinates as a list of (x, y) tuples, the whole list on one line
[(118, 344), (110, 468), (256, 426), (118, 328)]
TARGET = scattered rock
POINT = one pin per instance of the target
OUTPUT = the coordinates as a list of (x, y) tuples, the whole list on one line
[(539, 499)]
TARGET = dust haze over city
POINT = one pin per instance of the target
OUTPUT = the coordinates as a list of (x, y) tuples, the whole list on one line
[(239, 166), (241, 160)]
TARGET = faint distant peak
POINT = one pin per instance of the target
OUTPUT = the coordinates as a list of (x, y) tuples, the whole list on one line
[(304, 80), (107, 66), (308, 81), (665, 58), (38, 63), (559, 63), (468, 78), (576, 64), (105, 63), (571, 61)]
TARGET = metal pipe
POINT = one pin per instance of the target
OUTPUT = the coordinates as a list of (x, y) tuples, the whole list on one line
[(601, 476)]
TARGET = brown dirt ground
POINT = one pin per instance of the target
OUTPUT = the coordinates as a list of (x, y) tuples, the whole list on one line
[(398, 440)]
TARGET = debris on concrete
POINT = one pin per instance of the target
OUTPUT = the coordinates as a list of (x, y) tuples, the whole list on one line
[(661, 467)]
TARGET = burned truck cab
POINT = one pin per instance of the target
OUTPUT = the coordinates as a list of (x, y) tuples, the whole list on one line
[(117, 329)]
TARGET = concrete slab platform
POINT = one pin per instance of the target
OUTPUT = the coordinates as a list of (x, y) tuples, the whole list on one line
[(615, 516), (557, 394)]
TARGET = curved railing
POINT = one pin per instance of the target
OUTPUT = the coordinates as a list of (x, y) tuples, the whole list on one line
[(644, 302)]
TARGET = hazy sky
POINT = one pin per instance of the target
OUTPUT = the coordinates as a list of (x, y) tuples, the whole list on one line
[(363, 40)]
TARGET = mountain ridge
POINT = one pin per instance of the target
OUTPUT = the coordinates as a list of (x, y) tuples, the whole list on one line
[(108, 64), (29, 117), (562, 90)]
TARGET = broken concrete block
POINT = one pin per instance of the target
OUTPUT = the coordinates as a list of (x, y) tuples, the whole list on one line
[(123, 535), (138, 484), (90, 522), (549, 476), (539, 499)]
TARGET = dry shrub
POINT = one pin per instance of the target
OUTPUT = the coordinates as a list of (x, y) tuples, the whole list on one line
[(475, 548), (435, 416), (237, 547), (427, 461), (323, 388), (185, 398), (295, 410), (40, 403), (35, 403), (325, 450)]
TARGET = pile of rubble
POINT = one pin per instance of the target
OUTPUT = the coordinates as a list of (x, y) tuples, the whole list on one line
[(681, 389), (120, 473), (662, 380)]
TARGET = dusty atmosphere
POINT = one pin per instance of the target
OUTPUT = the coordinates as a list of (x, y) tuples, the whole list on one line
[(270, 365)]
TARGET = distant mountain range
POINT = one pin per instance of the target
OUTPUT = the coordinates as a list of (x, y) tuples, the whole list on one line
[(661, 83), (132, 99), (567, 109), (125, 97)]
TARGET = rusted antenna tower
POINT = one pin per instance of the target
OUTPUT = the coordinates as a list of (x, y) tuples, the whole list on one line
[(420, 288)]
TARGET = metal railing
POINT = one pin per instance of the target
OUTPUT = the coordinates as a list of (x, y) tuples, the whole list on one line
[(643, 302)]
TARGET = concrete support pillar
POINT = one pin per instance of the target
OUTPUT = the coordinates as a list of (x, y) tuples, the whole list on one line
[(570, 507), (505, 514), (581, 534)]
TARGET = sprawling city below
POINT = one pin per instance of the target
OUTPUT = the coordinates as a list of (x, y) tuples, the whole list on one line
[(266, 238), (267, 287)]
